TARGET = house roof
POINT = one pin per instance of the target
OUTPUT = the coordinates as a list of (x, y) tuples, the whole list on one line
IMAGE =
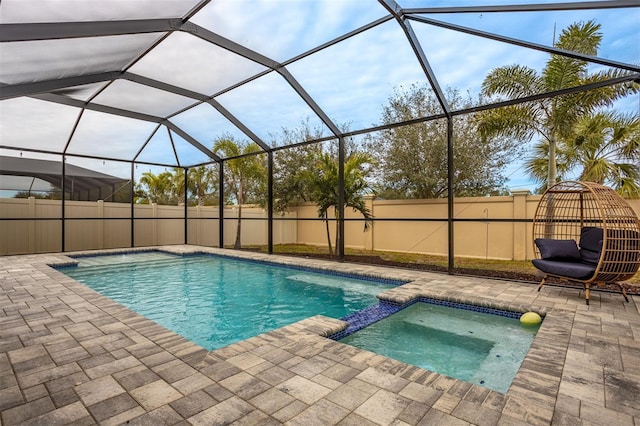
[(77, 179)]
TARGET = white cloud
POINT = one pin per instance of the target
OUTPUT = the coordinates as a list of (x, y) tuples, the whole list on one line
[(284, 29)]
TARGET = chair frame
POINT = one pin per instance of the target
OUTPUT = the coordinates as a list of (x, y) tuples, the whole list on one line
[(567, 207)]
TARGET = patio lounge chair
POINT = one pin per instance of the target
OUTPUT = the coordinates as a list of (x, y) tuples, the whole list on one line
[(608, 229)]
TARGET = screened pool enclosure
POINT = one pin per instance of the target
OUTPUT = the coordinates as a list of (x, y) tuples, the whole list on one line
[(98, 98)]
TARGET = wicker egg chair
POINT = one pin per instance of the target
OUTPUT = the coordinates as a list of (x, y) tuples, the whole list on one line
[(585, 232)]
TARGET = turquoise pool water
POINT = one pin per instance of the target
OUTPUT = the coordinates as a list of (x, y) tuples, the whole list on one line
[(216, 301), (472, 346)]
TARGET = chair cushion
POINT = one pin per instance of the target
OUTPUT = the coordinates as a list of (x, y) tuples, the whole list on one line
[(591, 244), (591, 238), (558, 249), (576, 270), (590, 257)]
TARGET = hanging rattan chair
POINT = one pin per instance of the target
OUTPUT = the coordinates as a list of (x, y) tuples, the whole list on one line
[(585, 232)]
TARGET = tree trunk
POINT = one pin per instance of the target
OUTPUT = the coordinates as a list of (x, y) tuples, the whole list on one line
[(237, 244), (240, 197), (553, 172), (326, 224), (338, 235), (549, 228)]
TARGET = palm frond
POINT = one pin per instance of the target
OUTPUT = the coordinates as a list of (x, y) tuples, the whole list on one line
[(563, 72), (515, 121), (512, 82)]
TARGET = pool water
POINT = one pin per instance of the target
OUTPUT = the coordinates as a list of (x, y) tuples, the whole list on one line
[(476, 347), (215, 301)]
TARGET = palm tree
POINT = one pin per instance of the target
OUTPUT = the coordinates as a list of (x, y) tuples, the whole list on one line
[(201, 179), (157, 188), (324, 188), (177, 185), (245, 173), (553, 119), (606, 147)]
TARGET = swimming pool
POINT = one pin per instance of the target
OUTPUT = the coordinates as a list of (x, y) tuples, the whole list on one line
[(214, 300), (468, 345)]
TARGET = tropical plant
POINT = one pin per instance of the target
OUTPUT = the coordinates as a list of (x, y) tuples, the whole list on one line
[(606, 149), (156, 188), (201, 180), (177, 186), (325, 189), (293, 165), (245, 173), (553, 119)]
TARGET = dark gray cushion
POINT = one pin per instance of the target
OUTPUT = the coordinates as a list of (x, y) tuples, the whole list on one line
[(579, 271), (590, 257), (558, 249), (591, 238), (591, 244)]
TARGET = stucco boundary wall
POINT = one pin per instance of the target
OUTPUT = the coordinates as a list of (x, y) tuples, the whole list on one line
[(497, 227)]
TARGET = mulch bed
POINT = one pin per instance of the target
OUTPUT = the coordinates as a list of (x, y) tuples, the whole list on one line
[(524, 277)]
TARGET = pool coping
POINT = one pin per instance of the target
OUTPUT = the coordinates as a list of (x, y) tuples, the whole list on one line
[(533, 398)]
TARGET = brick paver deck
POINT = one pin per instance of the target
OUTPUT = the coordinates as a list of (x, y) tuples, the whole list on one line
[(71, 356)]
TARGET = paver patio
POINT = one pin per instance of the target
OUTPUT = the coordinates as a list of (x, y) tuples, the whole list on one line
[(71, 356)]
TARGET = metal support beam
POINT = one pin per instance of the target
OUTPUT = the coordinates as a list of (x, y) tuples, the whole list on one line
[(144, 145), (238, 49), (582, 5), (398, 13), (239, 124), (8, 91), (62, 202), (341, 199), (93, 157), (64, 100), (450, 197), (173, 147), (339, 39), (270, 202), (309, 101), (522, 43), (269, 63), (229, 45), (184, 135), (50, 97), (221, 205), (132, 200), (200, 98), (63, 30), (186, 211), (160, 85)]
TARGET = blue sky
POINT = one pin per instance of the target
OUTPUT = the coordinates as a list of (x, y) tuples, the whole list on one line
[(350, 81)]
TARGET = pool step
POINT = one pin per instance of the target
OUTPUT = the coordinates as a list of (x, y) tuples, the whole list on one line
[(118, 259), (95, 265)]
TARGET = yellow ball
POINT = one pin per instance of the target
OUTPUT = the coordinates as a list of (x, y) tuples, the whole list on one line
[(530, 318)]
